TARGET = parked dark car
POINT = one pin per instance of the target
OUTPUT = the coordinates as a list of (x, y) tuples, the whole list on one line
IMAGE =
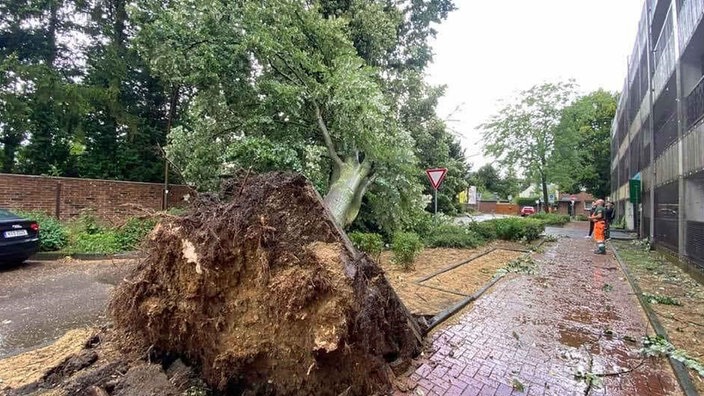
[(19, 238)]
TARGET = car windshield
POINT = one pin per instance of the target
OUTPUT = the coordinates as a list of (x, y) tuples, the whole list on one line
[(7, 215)]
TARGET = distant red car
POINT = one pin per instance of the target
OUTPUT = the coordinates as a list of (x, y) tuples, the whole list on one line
[(527, 211)]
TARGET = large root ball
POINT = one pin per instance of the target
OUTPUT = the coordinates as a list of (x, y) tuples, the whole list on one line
[(263, 292)]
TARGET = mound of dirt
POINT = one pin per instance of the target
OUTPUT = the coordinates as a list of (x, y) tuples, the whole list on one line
[(262, 292)]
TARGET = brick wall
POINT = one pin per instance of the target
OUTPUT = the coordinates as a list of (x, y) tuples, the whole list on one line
[(65, 197), (497, 207)]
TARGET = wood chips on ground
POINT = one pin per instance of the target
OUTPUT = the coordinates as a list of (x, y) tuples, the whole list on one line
[(29, 367), (470, 277), (656, 274), (424, 300)]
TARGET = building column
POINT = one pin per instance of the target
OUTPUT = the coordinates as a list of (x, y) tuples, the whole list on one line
[(682, 221), (651, 124)]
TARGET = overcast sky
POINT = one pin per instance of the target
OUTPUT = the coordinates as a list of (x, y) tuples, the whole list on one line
[(490, 49)]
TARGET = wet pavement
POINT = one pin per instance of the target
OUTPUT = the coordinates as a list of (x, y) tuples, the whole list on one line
[(40, 301), (573, 328)]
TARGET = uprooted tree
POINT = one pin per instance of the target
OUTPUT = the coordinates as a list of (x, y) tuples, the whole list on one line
[(263, 292), (315, 88)]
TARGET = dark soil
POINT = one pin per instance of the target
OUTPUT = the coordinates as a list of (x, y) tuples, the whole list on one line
[(263, 293)]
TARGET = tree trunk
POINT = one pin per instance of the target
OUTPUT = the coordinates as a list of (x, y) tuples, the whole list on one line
[(345, 195), (544, 183), (52, 47)]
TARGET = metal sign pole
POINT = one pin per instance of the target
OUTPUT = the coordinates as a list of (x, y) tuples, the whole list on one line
[(436, 201)]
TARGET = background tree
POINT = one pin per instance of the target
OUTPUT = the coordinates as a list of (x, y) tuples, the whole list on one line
[(523, 133), (489, 180), (583, 149)]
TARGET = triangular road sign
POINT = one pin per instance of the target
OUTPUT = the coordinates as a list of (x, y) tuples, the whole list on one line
[(436, 176)]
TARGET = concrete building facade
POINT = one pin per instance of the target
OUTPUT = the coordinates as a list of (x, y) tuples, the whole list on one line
[(658, 131)]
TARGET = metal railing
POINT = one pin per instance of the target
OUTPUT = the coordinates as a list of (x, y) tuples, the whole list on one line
[(689, 17), (663, 38), (695, 104)]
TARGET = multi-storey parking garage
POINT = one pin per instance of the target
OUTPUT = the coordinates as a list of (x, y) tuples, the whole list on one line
[(658, 132)]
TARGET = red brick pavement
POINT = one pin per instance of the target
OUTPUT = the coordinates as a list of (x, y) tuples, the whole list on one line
[(578, 314)]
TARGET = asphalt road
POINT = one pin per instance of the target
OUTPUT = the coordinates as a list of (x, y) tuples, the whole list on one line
[(40, 301)]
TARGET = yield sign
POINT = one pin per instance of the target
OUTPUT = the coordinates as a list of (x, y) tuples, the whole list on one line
[(436, 176)]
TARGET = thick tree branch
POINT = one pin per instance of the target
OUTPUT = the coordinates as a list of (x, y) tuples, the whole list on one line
[(326, 137)]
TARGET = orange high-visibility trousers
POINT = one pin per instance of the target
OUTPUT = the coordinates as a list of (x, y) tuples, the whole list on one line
[(600, 231)]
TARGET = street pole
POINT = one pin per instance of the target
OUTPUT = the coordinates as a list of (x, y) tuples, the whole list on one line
[(436, 201)]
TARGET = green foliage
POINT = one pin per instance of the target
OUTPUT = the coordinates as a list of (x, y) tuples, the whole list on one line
[(660, 299), (302, 90), (582, 156), (518, 385), (312, 87), (89, 109), (133, 232), (105, 241), (87, 234), (523, 133), (582, 217), (552, 218), (620, 223), (406, 246), (485, 229), (517, 229), (522, 265), (642, 244), (453, 236), (369, 243), (87, 223), (659, 346), (489, 181), (550, 238), (527, 202), (52, 234)]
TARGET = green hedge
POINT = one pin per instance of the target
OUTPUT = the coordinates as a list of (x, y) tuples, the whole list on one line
[(486, 230), (516, 229), (552, 218), (453, 236), (527, 201)]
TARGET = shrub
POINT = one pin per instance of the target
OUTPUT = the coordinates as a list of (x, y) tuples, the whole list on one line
[(370, 243), (582, 217), (485, 229), (552, 218), (131, 234), (406, 246), (453, 236), (105, 241), (52, 234), (527, 201), (515, 229), (86, 223)]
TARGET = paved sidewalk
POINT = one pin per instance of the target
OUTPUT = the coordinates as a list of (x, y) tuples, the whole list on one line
[(532, 334)]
